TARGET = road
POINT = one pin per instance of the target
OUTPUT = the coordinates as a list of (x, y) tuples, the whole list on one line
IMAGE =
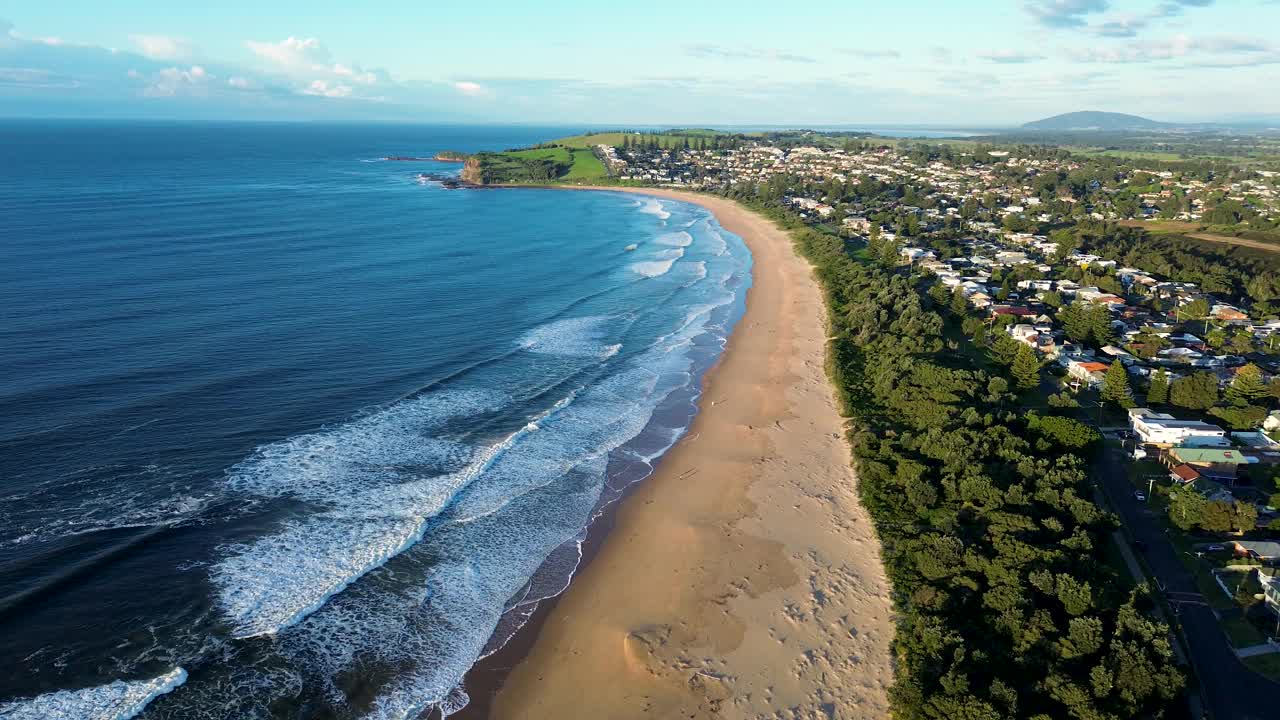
[(1231, 691)]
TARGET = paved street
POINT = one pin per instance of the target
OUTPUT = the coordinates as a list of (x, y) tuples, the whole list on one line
[(1231, 690)]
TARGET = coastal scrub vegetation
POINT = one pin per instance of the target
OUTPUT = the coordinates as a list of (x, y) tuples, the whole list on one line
[(1007, 605), (994, 548)]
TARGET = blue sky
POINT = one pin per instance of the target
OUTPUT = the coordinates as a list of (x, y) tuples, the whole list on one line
[(823, 62)]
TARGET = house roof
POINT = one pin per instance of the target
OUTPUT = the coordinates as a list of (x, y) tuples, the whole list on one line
[(1208, 455), (1186, 473), (1261, 548), (1093, 366)]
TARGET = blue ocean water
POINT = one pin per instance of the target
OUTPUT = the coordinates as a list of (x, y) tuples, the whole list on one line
[(286, 433)]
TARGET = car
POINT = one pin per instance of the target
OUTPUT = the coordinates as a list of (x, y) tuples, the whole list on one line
[(1214, 548), (1139, 496), (1125, 434)]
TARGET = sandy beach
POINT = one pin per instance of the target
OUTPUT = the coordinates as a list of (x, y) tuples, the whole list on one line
[(742, 579)]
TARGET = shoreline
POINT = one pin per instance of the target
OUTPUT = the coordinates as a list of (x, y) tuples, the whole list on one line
[(741, 578)]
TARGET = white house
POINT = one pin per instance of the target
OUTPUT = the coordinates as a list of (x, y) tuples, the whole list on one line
[(1164, 429)]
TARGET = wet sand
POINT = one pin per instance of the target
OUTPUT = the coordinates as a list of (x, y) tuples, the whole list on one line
[(743, 578)]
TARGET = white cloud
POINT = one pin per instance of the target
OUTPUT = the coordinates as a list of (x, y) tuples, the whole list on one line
[(470, 89), (35, 78), (1178, 46), (1064, 13), (162, 47), (175, 81), (359, 75), (1010, 57), (323, 88), (240, 83), (291, 52)]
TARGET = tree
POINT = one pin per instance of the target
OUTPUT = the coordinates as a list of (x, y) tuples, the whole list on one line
[(1198, 391), (1004, 349), (1246, 387), (1115, 386), (1186, 507), (1240, 418), (939, 295), (1197, 309), (1025, 368), (1063, 400), (1068, 433), (1158, 393), (959, 303)]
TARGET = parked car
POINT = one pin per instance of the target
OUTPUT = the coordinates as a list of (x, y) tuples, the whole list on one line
[(1139, 496), (1214, 548)]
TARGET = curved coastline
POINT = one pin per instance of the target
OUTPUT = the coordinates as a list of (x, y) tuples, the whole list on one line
[(743, 577)]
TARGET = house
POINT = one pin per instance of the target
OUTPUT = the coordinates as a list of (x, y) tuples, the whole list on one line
[(1183, 474), (1088, 372), (1163, 429), (1255, 439), (1013, 310), (1271, 592), (912, 254), (1214, 463), (1117, 353), (1263, 550), (1226, 312)]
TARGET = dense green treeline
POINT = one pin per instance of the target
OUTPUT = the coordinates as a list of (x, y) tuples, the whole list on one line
[(1006, 605)]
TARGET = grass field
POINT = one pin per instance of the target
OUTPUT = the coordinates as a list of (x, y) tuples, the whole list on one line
[(1131, 154), (1256, 239), (583, 166), (586, 167)]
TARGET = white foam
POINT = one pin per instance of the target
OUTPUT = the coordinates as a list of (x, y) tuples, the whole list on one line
[(571, 337), (718, 246), (101, 498), (675, 239), (378, 479), (118, 700), (653, 268), (699, 270), (652, 206), (477, 562)]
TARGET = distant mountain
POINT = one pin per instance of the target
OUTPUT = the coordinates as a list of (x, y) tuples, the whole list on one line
[(1093, 120)]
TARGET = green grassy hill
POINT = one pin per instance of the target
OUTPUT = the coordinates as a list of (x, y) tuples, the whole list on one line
[(566, 160)]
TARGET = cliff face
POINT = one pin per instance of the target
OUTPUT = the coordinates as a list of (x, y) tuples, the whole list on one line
[(471, 171)]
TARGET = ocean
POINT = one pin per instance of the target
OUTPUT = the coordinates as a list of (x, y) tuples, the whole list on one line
[(285, 433)]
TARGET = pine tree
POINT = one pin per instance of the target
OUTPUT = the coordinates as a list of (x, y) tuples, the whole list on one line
[(959, 303), (1115, 386), (1158, 393), (1026, 368), (1246, 387)]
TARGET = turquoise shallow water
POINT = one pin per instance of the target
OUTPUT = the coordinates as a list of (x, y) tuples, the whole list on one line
[(285, 433)]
